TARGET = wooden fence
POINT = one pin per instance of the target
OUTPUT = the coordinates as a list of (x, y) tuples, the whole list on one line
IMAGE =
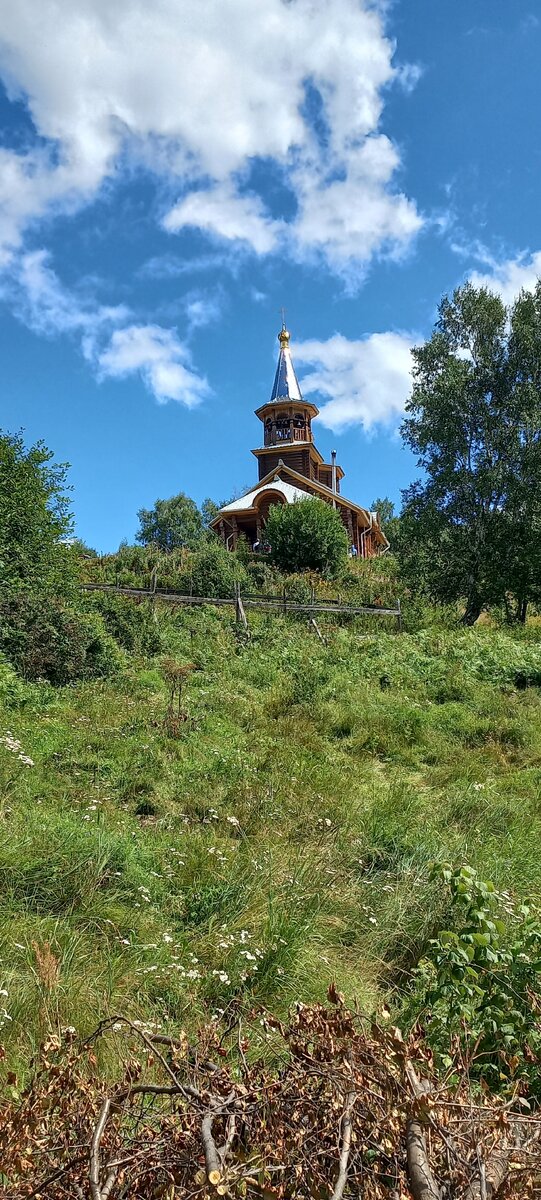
[(281, 604)]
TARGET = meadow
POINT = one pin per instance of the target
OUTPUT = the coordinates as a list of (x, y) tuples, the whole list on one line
[(271, 834)]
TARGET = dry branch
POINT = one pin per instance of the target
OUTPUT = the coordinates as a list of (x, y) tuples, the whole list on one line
[(212, 1160), (218, 1120), (346, 1145), (423, 1184), (94, 1174)]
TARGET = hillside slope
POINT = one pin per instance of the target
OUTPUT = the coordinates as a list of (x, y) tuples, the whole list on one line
[(276, 837)]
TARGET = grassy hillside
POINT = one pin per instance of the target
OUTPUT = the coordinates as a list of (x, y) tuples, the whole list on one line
[(276, 838)]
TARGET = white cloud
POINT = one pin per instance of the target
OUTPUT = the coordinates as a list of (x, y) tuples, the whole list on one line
[(162, 360), (364, 382), (510, 276), (151, 351), (49, 308), (202, 310), (350, 219), (198, 93), (220, 211)]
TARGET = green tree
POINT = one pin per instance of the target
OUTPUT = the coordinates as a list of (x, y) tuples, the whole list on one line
[(523, 543), (466, 528), (35, 517), (388, 519), (307, 535), (209, 510), (171, 523)]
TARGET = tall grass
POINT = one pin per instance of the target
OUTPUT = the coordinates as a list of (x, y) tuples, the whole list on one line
[(282, 839)]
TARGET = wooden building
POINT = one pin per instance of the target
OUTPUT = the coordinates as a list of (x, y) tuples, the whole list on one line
[(292, 468)]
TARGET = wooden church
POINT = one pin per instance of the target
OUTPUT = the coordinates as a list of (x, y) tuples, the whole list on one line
[(291, 468)]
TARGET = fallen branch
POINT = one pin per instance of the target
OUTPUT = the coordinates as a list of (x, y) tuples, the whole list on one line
[(94, 1173), (212, 1159), (346, 1144), (492, 1176), (423, 1183)]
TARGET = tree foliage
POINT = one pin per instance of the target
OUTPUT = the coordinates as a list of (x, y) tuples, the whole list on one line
[(171, 523), (308, 535), (34, 518), (479, 983), (470, 528), (388, 519)]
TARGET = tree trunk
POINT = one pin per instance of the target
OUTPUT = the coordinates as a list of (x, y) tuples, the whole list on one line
[(473, 609)]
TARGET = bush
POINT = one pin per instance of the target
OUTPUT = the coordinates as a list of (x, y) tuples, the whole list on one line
[(131, 624), (211, 571), (478, 985), (308, 535), (44, 640)]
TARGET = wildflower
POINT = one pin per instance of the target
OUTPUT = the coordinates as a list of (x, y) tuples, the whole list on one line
[(24, 758), (233, 820), (222, 976), (166, 937)]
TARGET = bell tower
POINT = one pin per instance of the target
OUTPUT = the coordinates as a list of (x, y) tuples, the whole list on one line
[(287, 425)]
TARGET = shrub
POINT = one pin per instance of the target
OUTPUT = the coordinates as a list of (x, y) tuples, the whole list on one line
[(44, 640), (478, 985), (211, 571), (131, 624), (308, 535)]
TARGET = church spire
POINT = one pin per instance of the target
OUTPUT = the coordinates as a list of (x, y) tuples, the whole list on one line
[(286, 384)]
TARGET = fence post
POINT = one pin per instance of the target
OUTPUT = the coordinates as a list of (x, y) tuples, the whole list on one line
[(399, 617), (239, 607), (284, 599)]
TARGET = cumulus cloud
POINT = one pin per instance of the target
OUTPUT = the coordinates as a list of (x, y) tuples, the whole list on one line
[(161, 359), (197, 94), (362, 382), (221, 212)]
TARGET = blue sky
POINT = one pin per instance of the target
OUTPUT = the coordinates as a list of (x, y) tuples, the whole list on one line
[(171, 174)]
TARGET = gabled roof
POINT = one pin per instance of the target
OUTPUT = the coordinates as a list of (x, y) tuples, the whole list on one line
[(290, 493), (296, 490)]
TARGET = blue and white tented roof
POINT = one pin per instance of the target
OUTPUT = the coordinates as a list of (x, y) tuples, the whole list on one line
[(286, 384)]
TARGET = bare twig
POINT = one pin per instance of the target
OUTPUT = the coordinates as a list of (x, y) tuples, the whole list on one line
[(346, 1144), (230, 1133), (491, 1178)]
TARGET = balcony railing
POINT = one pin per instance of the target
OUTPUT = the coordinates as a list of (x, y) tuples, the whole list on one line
[(285, 433)]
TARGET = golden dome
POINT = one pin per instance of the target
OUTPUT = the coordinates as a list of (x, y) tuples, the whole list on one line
[(283, 337)]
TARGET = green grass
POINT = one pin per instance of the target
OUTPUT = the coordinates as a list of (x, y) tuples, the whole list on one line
[(282, 840)]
